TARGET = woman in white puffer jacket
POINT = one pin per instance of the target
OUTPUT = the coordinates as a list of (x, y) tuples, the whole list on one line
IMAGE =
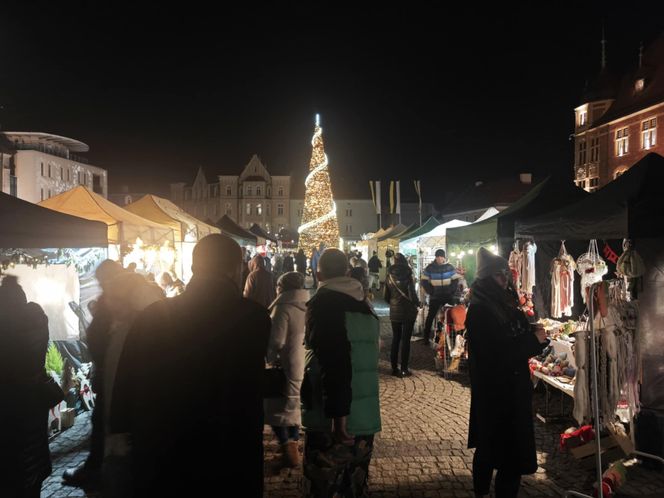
[(286, 348)]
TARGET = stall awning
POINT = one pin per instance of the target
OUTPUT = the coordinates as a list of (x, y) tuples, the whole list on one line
[(258, 231), (546, 195), (122, 225), (235, 231), (185, 226), (28, 226), (426, 227), (629, 207), (393, 232)]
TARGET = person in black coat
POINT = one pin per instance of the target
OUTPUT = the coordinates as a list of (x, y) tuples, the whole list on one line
[(402, 298), (288, 263), (25, 457), (500, 342), (301, 262), (188, 389)]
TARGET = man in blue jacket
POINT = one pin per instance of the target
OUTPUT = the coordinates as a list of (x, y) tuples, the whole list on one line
[(440, 281)]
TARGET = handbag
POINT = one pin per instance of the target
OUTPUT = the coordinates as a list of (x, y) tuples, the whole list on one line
[(49, 393), (275, 383)]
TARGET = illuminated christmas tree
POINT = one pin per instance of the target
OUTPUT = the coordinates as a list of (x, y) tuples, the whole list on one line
[(319, 217)]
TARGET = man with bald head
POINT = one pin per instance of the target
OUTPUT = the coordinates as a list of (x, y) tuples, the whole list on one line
[(189, 383), (341, 411)]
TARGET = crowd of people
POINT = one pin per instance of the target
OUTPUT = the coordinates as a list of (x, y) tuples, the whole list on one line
[(179, 372)]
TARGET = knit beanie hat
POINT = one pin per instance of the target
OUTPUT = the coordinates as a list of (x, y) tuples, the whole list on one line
[(291, 280), (489, 263)]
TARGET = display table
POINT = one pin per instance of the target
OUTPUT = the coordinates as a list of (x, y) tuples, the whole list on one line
[(564, 388), (553, 381)]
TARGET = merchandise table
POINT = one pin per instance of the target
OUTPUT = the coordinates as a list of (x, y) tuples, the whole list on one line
[(567, 389)]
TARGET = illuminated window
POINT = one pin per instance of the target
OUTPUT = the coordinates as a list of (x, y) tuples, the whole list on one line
[(280, 209), (649, 133), (583, 118), (259, 209), (582, 152), (248, 209), (622, 141), (228, 191), (594, 150), (638, 86), (280, 192)]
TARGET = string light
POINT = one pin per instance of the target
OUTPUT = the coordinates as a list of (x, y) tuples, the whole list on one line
[(319, 216)]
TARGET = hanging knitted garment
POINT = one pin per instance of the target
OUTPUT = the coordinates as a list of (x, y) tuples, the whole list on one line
[(556, 298), (515, 263), (581, 410), (528, 267)]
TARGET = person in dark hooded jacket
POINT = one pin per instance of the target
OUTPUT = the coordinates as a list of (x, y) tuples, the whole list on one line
[(500, 342), (260, 284), (188, 389), (402, 298)]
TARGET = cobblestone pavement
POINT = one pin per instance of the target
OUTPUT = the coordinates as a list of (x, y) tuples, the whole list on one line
[(421, 451)]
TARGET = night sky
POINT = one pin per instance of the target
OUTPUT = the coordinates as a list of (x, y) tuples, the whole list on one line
[(448, 97)]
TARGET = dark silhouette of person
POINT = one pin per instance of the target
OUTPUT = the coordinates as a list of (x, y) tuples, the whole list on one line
[(188, 389), (23, 344)]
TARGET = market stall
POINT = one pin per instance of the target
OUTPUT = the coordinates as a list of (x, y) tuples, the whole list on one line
[(627, 308), (187, 230), (236, 232), (46, 250), (130, 237), (497, 232)]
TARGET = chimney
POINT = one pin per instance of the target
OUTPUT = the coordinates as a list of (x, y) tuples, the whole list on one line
[(526, 178)]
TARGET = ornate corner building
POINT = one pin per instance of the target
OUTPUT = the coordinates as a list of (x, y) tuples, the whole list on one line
[(254, 196), (620, 120)]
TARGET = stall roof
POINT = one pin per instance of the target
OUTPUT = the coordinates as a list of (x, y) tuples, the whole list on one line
[(426, 227), (543, 197), (258, 231), (163, 211), (123, 226), (229, 227), (26, 225), (630, 206), (393, 232)]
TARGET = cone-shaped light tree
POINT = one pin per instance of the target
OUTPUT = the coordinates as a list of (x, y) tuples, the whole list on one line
[(319, 216)]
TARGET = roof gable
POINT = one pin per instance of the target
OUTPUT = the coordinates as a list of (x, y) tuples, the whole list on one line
[(255, 168)]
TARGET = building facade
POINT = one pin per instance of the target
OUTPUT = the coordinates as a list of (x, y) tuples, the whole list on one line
[(36, 166), (620, 121), (357, 217), (254, 196)]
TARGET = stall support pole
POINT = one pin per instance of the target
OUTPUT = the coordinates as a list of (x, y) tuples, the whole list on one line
[(595, 390), (595, 403)]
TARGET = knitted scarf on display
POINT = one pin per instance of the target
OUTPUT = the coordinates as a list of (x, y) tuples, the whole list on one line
[(502, 302)]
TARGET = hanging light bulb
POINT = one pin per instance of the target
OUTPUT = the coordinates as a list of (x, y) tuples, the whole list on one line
[(470, 251)]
